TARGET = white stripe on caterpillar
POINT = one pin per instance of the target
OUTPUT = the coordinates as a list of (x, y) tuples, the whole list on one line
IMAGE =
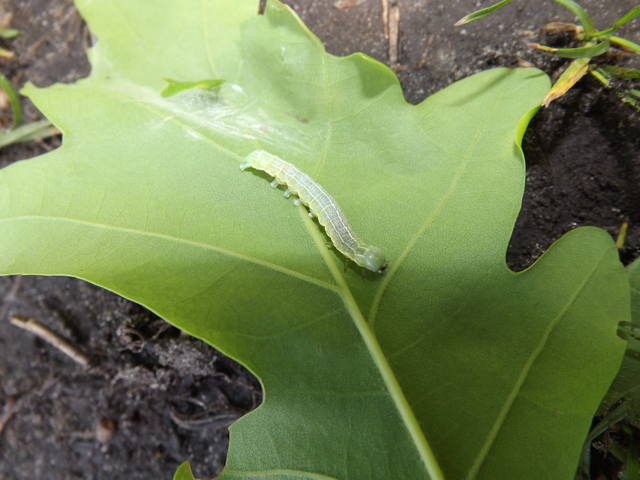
[(320, 204)]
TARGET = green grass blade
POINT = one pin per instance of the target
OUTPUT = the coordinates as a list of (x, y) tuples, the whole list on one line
[(632, 467), (630, 98), (611, 418), (8, 33), (30, 131), (589, 51), (627, 17), (622, 235), (576, 70), (626, 44), (14, 100), (620, 72), (583, 17), (483, 12), (601, 75)]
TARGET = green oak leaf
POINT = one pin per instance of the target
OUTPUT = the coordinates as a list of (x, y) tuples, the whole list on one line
[(447, 366)]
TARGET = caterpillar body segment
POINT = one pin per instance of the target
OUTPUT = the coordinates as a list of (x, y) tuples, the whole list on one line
[(320, 204)]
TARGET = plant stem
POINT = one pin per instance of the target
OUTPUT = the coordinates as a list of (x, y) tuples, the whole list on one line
[(14, 100)]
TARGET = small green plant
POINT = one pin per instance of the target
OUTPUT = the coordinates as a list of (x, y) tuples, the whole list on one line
[(619, 414), (593, 43), (7, 33), (14, 100), (17, 132)]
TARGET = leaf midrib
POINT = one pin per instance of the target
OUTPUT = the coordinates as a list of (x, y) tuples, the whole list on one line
[(377, 355)]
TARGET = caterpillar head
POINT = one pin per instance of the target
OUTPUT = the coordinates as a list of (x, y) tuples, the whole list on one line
[(372, 258)]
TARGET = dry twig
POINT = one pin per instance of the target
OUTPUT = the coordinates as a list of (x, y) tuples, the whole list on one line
[(394, 22), (8, 411), (390, 23), (347, 3), (385, 18), (50, 337)]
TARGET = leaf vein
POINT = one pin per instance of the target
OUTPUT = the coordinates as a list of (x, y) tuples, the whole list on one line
[(420, 232), (240, 256), (515, 392)]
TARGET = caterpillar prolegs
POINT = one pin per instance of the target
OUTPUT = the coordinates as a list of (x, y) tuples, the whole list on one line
[(321, 205)]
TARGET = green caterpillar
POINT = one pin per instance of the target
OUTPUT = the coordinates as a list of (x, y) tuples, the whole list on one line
[(321, 205)]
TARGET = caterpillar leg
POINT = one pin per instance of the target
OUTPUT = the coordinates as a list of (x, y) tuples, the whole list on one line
[(287, 193), (311, 214), (244, 165), (297, 202), (275, 183)]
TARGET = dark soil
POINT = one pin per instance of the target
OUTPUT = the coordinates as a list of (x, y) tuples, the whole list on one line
[(155, 397)]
